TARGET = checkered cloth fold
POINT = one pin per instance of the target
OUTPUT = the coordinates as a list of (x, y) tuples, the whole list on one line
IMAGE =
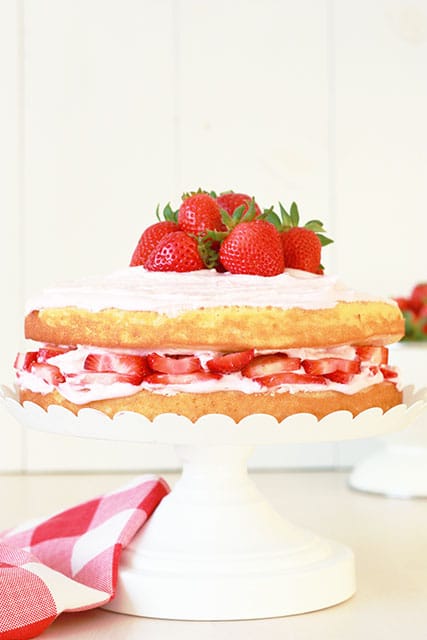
[(69, 561)]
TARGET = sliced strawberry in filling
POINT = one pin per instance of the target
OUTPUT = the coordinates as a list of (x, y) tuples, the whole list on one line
[(374, 355), (342, 377), (324, 366), (230, 362), (48, 372), (388, 372), (120, 363), (183, 378), (278, 379), (103, 377), (269, 370), (270, 364), (174, 364), (23, 361), (48, 351)]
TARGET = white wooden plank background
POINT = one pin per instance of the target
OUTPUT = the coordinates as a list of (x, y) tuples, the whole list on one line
[(11, 256), (381, 141), (111, 106)]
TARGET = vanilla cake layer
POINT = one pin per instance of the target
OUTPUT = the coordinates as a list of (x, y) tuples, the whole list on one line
[(235, 404), (206, 310)]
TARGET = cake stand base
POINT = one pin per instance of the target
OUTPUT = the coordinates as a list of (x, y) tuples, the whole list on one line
[(397, 471), (214, 549)]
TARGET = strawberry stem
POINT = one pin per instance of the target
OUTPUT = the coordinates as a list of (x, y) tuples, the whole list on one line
[(167, 214), (286, 221), (208, 253)]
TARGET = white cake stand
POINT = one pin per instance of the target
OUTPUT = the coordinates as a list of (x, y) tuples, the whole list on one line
[(214, 549), (399, 468)]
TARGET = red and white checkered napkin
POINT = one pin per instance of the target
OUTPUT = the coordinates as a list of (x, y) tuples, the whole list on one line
[(69, 562)]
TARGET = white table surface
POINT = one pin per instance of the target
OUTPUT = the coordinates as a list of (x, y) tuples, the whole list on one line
[(388, 537)]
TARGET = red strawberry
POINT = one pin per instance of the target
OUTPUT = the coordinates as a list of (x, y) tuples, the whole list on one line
[(23, 361), (270, 364), (134, 366), (174, 364), (278, 379), (422, 317), (150, 239), (199, 213), (230, 201), (230, 362), (48, 372), (301, 249), (403, 303), (175, 252), (254, 248), (183, 378), (422, 313), (47, 352), (374, 355), (342, 377), (301, 245), (389, 372), (103, 377), (416, 324), (323, 366), (418, 296)]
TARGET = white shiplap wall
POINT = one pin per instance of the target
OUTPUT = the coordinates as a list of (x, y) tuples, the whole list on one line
[(111, 106), (11, 256)]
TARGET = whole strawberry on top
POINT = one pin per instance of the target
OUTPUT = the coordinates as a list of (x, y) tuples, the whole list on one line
[(249, 245), (199, 213), (253, 247), (152, 235), (176, 251), (302, 245), (229, 233), (230, 201)]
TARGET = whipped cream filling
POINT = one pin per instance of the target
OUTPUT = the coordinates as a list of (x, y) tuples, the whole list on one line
[(72, 363), (170, 293)]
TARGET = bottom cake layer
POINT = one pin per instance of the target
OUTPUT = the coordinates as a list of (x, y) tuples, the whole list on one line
[(235, 404)]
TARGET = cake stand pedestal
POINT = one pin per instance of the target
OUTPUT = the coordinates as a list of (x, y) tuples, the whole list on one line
[(215, 549)]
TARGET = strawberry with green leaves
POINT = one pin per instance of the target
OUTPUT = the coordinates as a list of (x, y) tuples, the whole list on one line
[(199, 213), (230, 201), (176, 251), (302, 246), (253, 247), (249, 245), (153, 234)]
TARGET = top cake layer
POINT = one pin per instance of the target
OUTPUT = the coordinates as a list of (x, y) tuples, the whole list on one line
[(205, 309)]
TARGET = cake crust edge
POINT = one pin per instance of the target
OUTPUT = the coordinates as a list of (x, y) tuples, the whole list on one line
[(220, 328), (235, 404)]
